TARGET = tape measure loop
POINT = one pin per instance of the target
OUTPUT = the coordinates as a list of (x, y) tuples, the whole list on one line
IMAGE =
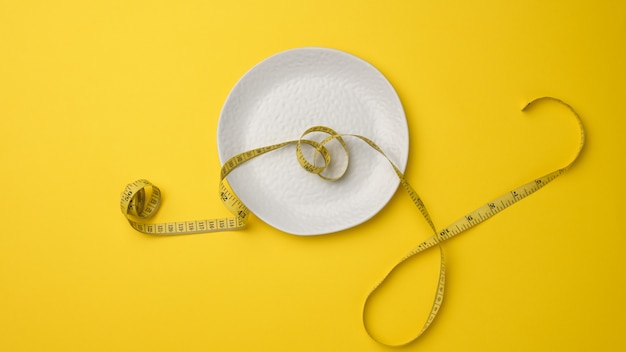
[(468, 221), (320, 149)]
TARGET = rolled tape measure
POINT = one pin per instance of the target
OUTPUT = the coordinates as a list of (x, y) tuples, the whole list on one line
[(141, 199)]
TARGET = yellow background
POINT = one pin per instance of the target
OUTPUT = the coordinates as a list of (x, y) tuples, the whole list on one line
[(95, 94)]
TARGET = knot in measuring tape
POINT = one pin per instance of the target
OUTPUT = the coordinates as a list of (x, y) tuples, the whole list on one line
[(141, 199), (320, 149)]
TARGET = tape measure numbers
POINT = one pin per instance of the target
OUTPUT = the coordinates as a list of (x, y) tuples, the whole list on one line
[(140, 200)]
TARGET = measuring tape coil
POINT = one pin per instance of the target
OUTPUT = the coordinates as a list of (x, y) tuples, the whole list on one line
[(141, 199)]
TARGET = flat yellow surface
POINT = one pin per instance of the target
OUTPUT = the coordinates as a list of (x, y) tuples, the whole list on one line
[(95, 94)]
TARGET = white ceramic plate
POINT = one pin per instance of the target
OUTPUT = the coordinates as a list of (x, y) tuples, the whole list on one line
[(280, 98)]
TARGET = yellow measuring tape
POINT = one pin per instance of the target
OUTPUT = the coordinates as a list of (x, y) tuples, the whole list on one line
[(141, 199)]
